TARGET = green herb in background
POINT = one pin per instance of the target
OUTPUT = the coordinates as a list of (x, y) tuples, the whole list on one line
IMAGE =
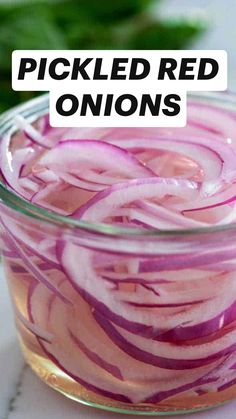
[(84, 24)]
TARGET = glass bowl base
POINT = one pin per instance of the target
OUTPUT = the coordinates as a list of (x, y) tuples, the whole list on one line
[(63, 384)]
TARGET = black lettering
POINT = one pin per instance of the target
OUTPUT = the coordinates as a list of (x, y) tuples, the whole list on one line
[(109, 101), (27, 65), (74, 105), (52, 69), (134, 75), (154, 107), (42, 68), (133, 105), (97, 71), (167, 67), (117, 67), (79, 67), (202, 69), (170, 102), (185, 67), (95, 107)]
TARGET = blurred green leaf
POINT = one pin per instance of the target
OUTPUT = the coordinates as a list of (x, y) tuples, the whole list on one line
[(152, 34), (83, 24), (104, 11), (28, 28)]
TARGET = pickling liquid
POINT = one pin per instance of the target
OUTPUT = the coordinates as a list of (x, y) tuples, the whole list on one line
[(60, 381)]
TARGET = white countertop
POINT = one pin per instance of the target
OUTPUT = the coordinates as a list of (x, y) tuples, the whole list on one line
[(24, 396)]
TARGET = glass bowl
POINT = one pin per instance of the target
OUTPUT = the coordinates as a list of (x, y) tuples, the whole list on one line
[(73, 331)]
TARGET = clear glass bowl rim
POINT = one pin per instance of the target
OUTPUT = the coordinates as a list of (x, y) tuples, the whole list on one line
[(35, 108)]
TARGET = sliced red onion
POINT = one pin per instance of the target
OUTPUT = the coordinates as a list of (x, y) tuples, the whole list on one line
[(11, 168), (40, 197), (195, 149), (144, 352), (73, 157), (146, 378), (79, 183), (222, 121), (205, 316), (216, 158), (33, 328), (173, 219), (25, 237), (47, 176), (33, 268), (104, 203), (31, 132), (225, 197)]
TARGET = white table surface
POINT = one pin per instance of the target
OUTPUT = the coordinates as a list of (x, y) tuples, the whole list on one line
[(24, 396)]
